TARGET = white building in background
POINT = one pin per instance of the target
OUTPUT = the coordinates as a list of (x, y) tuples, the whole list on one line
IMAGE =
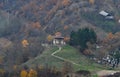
[(103, 13), (58, 40), (106, 15)]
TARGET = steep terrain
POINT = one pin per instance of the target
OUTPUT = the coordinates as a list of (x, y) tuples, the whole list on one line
[(65, 15), (34, 20), (9, 24), (66, 54), (12, 33)]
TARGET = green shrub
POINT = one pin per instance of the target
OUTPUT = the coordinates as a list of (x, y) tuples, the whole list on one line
[(95, 75)]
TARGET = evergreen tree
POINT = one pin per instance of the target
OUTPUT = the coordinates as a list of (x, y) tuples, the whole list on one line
[(74, 39), (81, 37)]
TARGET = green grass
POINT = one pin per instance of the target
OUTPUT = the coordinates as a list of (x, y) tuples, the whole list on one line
[(95, 75), (68, 53), (46, 59), (74, 55)]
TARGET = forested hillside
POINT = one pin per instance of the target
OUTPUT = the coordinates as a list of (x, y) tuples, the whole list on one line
[(26, 24), (65, 15)]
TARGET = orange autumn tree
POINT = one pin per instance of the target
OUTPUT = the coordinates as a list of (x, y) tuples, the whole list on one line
[(36, 25), (66, 39), (91, 1), (25, 43), (66, 2), (32, 73), (110, 35), (23, 73), (49, 38)]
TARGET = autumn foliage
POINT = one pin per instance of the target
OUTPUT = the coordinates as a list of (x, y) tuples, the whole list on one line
[(49, 38), (23, 73), (91, 1), (32, 73), (36, 25), (110, 36), (25, 43), (66, 2), (66, 39)]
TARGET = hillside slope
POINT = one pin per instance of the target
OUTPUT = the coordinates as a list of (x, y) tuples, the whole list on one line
[(34, 20), (12, 33), (69, 54), (65, 15), (9, 24)]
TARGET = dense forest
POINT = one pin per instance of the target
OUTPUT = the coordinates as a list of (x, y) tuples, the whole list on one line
[(25, 25)]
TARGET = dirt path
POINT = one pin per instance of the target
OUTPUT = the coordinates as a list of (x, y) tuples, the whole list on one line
[(61, 58), (99, 73), (106, 72)]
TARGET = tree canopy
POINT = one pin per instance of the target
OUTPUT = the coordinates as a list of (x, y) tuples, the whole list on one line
[(81, 37)]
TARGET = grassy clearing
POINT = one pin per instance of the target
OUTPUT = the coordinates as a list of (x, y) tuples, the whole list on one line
[(68, 53), (73, 54)]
